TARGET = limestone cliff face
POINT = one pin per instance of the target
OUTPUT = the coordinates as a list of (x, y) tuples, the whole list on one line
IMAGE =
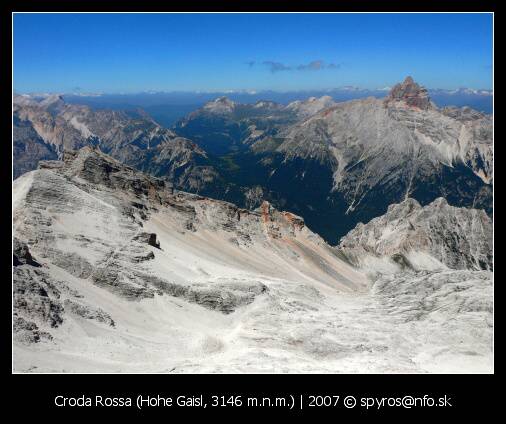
[(431, 237), (410, 93)]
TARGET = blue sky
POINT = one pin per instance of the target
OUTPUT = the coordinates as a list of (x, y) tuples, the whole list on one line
[(138, 52)]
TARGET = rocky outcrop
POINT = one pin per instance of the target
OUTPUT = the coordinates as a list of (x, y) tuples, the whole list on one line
[(475, 140), (21, 254), (36, 296), (410, 93), (435, 236), (42, 303), (428, 294), (149, 238), (87, 312), (224, 297)]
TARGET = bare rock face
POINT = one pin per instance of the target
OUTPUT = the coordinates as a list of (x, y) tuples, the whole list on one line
[(149, 238), (21, 254), (411, 94), (27, 332), (475, 138), (36, 296), (87, 215), (435, 236), (220, 105), (305, 109), (136, 276), (87, 312), (42, 303), (254, 197), (28, 148), (431, 293)]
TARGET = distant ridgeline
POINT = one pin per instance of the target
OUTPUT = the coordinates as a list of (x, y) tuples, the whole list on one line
[(335, 164)]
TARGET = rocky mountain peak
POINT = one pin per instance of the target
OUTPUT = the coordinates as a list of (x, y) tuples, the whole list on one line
[(53, 104), (220, 105), (311, 106), (49, 102), (267, 105), (224, 100), (410, 93), (23, 100), (51, 99)]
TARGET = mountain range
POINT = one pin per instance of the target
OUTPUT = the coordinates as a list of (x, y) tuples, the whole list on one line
[(313, 236), (336, 164)]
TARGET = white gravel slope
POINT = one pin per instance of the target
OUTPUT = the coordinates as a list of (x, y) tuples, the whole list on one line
[(227, 291)]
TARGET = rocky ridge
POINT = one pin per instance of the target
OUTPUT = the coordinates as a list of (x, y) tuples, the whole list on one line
[(305, 109), (87, 215), (410, 237), (132, 137), (115, 271)]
